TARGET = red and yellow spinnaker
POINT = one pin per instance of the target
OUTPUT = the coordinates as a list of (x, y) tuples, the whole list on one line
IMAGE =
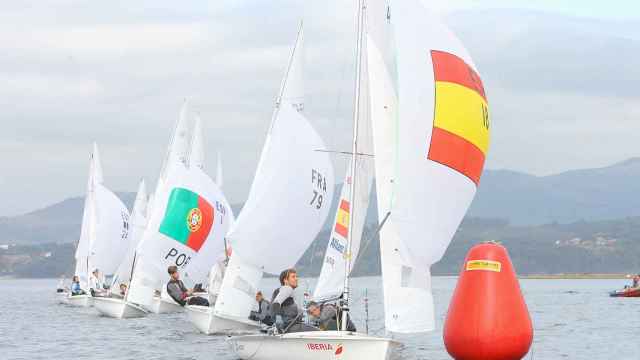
[(460, 137), (342, 220)]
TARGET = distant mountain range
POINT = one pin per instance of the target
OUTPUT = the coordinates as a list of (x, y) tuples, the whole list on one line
[(520, 199)]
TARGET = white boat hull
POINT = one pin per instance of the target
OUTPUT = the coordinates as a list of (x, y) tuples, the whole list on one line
[(313, 345), (79, 300), (118, 308), (204, 319), (164, 306)]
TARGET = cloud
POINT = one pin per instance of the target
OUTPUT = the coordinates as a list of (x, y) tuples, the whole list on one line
[(117, 72)]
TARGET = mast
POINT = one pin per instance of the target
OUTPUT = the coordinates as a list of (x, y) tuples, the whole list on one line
[(354, 152)]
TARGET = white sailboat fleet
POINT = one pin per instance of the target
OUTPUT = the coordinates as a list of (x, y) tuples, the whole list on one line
[(428, 115), (187, 222), (420, 127)]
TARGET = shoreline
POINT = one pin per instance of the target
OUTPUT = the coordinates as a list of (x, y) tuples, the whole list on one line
[(573, 276), (562, 276)]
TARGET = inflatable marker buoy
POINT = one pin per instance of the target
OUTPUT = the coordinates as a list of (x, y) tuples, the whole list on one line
[(488, 318)]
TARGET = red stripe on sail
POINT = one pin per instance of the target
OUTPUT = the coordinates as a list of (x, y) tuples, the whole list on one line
[(457, 153), (342, 230), (197, 238), (344, 205), (450, 68)]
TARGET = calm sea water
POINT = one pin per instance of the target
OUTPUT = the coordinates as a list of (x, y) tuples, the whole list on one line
[(573, 319)]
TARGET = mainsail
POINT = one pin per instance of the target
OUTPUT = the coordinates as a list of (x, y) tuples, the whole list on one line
[(293, 186), (109, 242), (136, 230), (288, 202), (82, 250), (431, 132), (178, 150), (196, 154)]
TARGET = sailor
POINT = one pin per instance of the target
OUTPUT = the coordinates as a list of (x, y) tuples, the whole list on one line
[(96, 287), (261, 311), (636, 281), (123, 289), (284, 308), (179, 293), (327, 315), (75, 286)]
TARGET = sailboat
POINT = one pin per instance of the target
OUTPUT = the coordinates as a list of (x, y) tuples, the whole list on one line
[(288, 203), (210, 256), (430, 134), (113, 306), (104, 231)]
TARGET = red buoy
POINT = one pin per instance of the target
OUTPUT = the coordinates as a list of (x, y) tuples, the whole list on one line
[(488, 318)]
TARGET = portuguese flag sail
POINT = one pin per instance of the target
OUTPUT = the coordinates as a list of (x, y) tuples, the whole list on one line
[(188, 218)]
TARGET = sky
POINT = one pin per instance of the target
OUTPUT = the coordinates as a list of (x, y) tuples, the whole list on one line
[(561, 77)]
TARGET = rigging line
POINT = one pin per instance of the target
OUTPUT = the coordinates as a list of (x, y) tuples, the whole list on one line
[(373, 236), (344, 152)]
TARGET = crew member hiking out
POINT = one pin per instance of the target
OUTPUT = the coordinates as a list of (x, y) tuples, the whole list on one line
[(284, 308), (179, 293)]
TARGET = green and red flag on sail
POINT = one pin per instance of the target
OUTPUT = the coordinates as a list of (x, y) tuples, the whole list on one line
[(188, 218)]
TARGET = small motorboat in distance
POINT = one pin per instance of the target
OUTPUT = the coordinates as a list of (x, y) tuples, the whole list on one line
[(629, 291), (626, 292)]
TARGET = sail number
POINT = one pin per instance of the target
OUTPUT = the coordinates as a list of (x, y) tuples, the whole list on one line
[(222, 210), (485, 117), (319, 189)]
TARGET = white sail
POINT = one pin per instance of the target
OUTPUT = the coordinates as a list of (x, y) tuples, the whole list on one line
[(136, 230), (109, 242), (431, 136), (332, 276), (97, 165), (188, 215), (292, 189), (196, 155), (178, 149), (82, 250), (238, 290), (105, 226)]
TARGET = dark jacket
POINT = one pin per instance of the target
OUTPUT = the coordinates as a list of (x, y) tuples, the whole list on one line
[(177, 291), (329, 316), (283, 304)]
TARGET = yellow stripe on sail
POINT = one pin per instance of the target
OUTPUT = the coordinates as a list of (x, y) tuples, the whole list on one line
[(462, 111)]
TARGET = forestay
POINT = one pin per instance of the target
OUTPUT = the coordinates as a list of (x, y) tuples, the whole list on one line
[(431, 131), (292, 189)]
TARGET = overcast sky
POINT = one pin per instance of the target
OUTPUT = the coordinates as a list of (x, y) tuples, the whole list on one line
[(562, 84)]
